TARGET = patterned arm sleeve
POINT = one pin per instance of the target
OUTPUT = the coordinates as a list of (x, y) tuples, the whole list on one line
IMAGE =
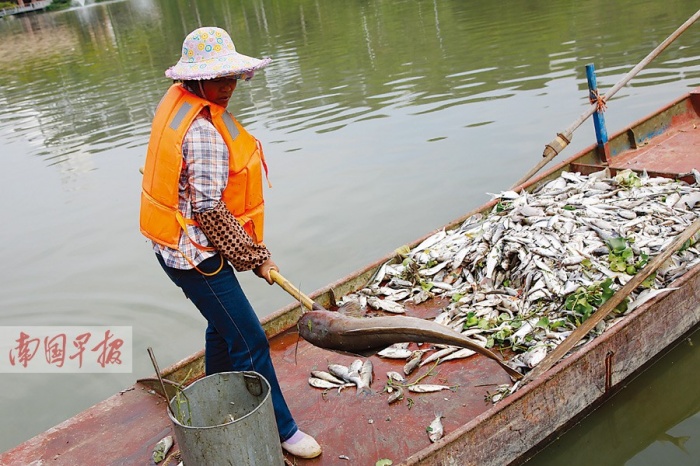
[(228, 236)]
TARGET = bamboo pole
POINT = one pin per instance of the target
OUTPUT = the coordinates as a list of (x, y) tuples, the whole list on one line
[(563, 139)]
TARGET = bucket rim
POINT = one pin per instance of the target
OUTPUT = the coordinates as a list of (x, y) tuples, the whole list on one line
[(260, 376)]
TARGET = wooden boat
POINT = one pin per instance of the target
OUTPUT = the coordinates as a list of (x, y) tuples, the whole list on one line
[(124, 428)]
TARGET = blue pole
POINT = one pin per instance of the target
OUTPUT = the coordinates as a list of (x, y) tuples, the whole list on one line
[(601, 133)]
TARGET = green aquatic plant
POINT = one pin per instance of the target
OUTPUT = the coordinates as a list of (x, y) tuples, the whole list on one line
[(621, 257), (584, 301), (628, 179)]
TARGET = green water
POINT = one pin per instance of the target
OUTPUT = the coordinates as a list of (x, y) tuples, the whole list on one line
[(381, 121)]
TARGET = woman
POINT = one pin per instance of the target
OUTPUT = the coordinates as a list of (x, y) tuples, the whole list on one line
[(202, 206)]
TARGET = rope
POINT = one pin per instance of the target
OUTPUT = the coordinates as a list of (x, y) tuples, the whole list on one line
[(554, 147), (594, 97)]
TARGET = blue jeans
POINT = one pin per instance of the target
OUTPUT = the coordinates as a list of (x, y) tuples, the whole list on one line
[(235, 340)]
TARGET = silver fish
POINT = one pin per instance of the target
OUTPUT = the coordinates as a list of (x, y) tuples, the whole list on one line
[(324, 384), (413, 363), (427, 388), (435, 429), (366, 377), (395, 396), (386, 305), (395, 353), (396, 377), (323, 375), (355, 366), (344, 373)]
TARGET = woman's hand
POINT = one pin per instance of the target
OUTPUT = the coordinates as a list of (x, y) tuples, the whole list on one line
[(263, 270)]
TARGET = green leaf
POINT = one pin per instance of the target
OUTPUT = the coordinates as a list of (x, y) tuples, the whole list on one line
[(384, 462), (555, 325), (543, 322), (607, 291), (649, 281), (617, 244), (471, 321), (622, 307)]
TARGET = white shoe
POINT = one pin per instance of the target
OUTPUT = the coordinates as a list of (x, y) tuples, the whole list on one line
[(302, 445)]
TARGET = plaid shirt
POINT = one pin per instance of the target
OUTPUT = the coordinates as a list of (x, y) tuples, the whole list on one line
[(202, 180)]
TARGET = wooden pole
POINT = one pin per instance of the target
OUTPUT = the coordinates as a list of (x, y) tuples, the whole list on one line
[(564, 138)]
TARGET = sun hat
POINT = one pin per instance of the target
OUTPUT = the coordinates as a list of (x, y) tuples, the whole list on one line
[(209, 53)]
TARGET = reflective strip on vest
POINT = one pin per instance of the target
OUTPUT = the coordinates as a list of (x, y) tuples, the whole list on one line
[(230, 125), (180, 115)]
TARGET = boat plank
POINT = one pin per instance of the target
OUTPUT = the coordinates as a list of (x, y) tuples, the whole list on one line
[(121, 430), (676, 151)]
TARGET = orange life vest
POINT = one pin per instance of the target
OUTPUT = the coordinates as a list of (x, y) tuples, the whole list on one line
[(160, 218)]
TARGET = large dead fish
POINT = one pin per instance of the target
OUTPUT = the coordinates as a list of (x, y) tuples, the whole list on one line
[(334, 331)]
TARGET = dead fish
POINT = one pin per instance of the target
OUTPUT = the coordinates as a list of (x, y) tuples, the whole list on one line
[(385, 305), (435, 429), (355, 366), (533, 356), (326, 385), (427, 388), (331, 330), (328, 377), (160, 451), (395, 396), (413, 363), (460, 354), (366, 377), (439, 355), (395, 377), (344, 373), (392, 352)]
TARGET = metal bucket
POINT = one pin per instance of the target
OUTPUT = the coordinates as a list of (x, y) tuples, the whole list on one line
[(226, 419)]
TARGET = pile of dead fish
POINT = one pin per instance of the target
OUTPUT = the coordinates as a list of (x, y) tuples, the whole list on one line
[(359, 374), (524, 275)]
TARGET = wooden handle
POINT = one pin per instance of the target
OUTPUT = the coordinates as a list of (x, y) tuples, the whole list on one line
[(609, 305), (292, 290)]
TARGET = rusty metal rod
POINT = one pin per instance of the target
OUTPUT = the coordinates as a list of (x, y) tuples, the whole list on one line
[(563, 139)]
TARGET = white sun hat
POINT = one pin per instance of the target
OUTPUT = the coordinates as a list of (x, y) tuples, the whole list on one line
[(209, 53)]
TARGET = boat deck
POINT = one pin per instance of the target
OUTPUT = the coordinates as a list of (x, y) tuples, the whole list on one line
[(365, 429), (361, 430), (666, 144)]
